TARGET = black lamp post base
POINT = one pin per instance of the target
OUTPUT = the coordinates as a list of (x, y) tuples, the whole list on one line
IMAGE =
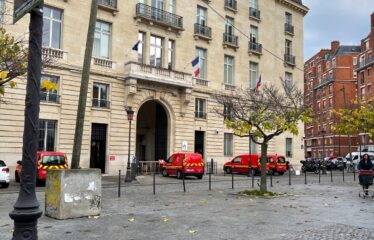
[(128, 177), (25, 223)]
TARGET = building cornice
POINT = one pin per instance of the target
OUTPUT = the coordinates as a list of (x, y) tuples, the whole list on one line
[(295, 6)]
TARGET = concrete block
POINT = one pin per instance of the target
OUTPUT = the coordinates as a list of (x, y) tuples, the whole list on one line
[(73, 193)]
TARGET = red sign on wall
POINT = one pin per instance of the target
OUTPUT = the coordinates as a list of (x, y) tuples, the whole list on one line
[(112, 157)]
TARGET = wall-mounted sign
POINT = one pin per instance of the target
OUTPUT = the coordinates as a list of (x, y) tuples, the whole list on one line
[(184, 146), (112, 157)]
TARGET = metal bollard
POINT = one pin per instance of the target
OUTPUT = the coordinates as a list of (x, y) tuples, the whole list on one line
[(343, 175), (271, 179), (354, 172), (154, 182), (289, 176), (331, 174), (305, 177), (210, 174), (319, 173), (232, 179), (119, 183), (184, 183), (253, 179)]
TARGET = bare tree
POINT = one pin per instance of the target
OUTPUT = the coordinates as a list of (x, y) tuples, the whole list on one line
[(263, 115)]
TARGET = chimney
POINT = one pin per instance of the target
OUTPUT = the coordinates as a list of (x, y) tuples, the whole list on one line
[(334, 46), (372, 21)]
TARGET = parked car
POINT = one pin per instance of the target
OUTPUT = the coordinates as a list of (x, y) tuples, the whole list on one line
[(44, 161), (191, 164), (356, 157), (4, 174)]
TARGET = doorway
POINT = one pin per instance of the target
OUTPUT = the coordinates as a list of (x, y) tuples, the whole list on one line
[(199, 142), (98, 146)]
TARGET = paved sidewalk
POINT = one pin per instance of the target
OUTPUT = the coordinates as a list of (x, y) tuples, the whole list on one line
[(313, 211)]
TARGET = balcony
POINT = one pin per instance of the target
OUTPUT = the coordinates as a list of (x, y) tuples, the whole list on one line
[(323, 83), (109, 5), (231, 5), (100, 103), (202, 31), (230, 40), (152, 74), (364, 63), (289, 59), (53, 53), (254, 13), (158, 16), (289, 29), (49, 97), (103, 62), (228, 87), (255, 48)]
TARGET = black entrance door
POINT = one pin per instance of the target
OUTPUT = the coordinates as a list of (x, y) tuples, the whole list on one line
[(98, 146), (199, 142), (161, 133)]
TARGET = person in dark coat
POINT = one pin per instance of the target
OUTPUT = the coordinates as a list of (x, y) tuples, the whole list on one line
[(365, 179)]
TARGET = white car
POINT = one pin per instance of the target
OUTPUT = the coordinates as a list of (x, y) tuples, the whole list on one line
[(4, 174)]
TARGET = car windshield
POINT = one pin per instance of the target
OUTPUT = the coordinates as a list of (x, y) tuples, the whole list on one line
[(54, 160), (281, 160), (2, 163)]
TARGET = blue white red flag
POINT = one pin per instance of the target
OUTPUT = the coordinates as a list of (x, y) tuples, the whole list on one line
[(136, 46), (258, 84), (196, 66)]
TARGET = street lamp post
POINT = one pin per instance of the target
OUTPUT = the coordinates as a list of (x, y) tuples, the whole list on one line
[(26, 209), (130, 116)]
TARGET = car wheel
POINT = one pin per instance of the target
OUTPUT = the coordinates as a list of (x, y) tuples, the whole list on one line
[(179, 175), (6, 185), (17, 177), (200, 176), (228, 170), (164, 173), (281, 173)]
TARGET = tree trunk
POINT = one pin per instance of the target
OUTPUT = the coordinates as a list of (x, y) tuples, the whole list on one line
[(264, 151), (84, 88)]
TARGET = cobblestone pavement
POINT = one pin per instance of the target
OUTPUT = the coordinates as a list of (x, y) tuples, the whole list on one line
[(308, 211)]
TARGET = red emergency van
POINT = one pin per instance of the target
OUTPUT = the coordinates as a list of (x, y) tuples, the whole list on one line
[(192, 163), (45, 160)]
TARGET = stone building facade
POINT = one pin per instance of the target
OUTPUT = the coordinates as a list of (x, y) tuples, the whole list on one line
[(173, 109)]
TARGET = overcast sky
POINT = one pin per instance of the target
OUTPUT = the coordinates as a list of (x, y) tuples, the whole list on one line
[(345, 20)]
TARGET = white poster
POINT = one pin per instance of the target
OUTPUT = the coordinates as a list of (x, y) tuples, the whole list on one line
[(184, 146)]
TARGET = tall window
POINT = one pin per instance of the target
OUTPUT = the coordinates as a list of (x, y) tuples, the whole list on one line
[(200, 108), (47, 135), (100, 95), (288, 147), (288, 47), (229, 70), (201, 53), (141, 38), (172, 6), (52, 24), (201, 16), (228, 146), (229, 27), (288, 18), (156, 51), (253, 4), (171, 54), (253, 74), (2, 11), (288, 79), (102, 40), (158, 4), (227, 112), (253, 145), (50, 96), (253, 34)]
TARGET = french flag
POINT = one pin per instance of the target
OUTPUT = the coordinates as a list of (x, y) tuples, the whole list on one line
[(196, 66), (258, 84)]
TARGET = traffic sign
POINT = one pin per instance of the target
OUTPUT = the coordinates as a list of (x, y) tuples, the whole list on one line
[(21, 7)]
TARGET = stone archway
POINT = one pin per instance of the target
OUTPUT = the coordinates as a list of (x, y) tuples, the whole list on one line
[(152, 132)]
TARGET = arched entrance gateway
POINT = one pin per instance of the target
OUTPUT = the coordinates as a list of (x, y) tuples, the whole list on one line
[(152, 132)]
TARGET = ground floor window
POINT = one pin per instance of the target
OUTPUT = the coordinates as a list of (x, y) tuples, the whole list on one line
[(47, 135), (288, 147), (228, 144)]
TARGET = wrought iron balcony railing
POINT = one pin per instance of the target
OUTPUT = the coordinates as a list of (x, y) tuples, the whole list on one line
[(289, 59), (200, 115), (364, 63), (159, 16), (231, 4), (255, 47), (254, 13), (203, 30), (289, 28), (49, 97), (230, 39), (108, 3)]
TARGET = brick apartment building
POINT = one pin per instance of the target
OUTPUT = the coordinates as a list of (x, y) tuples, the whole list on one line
[(330, 83), (365, 74)]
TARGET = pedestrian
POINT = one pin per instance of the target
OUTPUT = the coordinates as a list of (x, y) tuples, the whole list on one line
[(365, 179)]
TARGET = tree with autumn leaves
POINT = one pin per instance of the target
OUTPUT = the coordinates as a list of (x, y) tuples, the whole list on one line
[(262, 115)]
